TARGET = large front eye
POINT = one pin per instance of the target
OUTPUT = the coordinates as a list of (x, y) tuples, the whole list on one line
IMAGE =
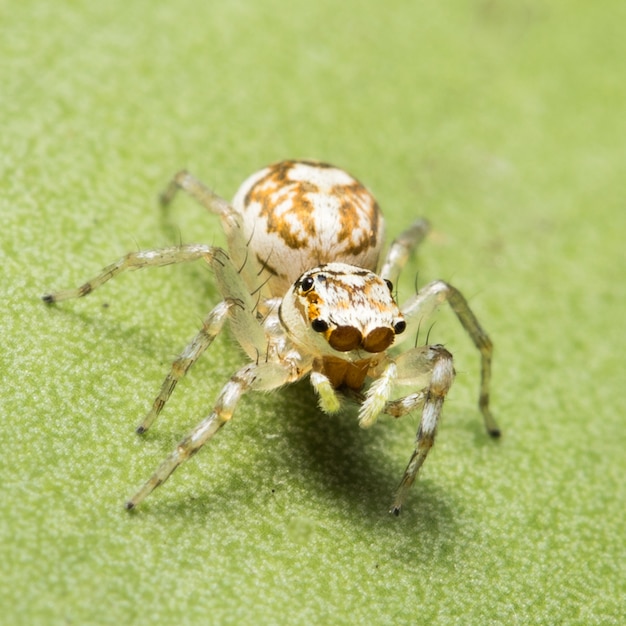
[(307, 284)]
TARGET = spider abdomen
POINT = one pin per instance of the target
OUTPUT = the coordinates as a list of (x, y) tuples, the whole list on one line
[(296, 215)]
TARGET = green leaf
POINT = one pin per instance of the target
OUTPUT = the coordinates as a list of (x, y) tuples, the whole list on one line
[(501, 122)]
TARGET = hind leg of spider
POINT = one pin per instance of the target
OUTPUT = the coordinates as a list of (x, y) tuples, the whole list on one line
[(253, 377), (133, 261), (206, 197), (401, 248), (202, 194)]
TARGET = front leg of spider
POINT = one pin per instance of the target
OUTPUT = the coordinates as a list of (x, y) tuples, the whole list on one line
[(435, 364)]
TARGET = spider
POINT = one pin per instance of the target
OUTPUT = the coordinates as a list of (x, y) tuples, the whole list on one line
[(303, 297)]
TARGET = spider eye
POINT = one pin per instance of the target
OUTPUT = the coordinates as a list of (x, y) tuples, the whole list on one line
[(319, 325), (389, 284), (307, 284), (399, 327)]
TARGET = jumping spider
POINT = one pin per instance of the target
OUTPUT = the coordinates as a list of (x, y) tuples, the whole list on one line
[(303, 297)]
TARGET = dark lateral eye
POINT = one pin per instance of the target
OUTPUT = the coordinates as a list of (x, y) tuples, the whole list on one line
[(307, 284), (399, 327), (319, 325), (389, 284)]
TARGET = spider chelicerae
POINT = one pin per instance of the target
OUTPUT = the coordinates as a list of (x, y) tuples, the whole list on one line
[(305, 293)]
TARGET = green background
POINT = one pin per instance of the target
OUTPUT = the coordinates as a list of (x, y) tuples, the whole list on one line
[(503, 122)]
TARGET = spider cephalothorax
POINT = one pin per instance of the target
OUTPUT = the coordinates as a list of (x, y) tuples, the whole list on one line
[(352, 310)]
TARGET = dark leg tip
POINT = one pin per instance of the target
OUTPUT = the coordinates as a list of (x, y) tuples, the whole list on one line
[(140, 430), (48, 298), (129, 506), (395, 510), (496, 433)]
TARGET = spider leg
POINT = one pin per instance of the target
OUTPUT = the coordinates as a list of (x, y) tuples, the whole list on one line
[(201, 194), (396, 408), (211, 326), (242, 319), (424, 303), (252, 377), (435, 363), (132, 261), (401, 249), (407, 404)]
